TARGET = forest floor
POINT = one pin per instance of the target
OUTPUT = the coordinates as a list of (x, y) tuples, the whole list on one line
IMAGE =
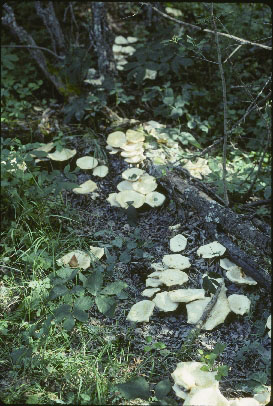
[(115, 346)]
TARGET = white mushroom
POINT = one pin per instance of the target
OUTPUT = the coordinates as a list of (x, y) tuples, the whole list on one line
[(116, 139), (141, 311), (135, 159), (210, 395), (172, 277), (134, 136), (130, 154), (75, 259), (155, 199), (150, 292), (62, 155), (112, 150), (186, 295), (120, 40), (235, 274), (244, 402), (98, 252), (214, 249), (112, 200), (145, 184), (85, 188), (157, 266), (153, 283), (189, 375), (179, 392), (132, 147), (178, 243), (126, 196), (100, 171), (132, 174), (87, 162), (45, 148), (124, 185), (177, 261), (239, 304), (164, 303)]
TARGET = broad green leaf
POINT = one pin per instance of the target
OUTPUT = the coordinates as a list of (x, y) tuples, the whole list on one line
[(21, 353), (131, 245), (125, 257), (67, 273), (135, 388), (188, 138), (106, 305), (176, 112), (122, 295), (84, 302), (117, 242), (57, 291), (77, 290), (163, 388), (80, 314), (94, 282), (62, 312), (114, 288), (69, 323)]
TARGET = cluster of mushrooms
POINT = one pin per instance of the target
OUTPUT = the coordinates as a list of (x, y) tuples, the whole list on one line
[(123, 48), (129, 144), (136, 189), (199, 387)]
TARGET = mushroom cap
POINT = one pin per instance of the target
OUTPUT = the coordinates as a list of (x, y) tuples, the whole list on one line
[(164, 303), (116, 139), (130, 146), (153, 283), (85, 188), (268, 323), (239, 304), (150, 292), (135, 159), (100, 171), (209, 395), (198, 168), (141, 311), (179, 393), (177, 261), (214, 249), (172, 277), (130, 196), (178, 243), (189, 375), (62, 155), (98, 252), (124, 185), (132, 174), (112, 200), (130, 154), (238, 276), (112, 150), (134, 136), (87, 162), (154, 199), (186, 295), (45, 148), (120, 40), (244, 402), (145, 184), (82, 258)]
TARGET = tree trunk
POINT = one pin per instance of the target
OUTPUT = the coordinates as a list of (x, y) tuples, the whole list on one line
[(100, 36)]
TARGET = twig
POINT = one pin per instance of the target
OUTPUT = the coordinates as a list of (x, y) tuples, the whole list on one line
[(34, 47), (232, 53), (195, 27), (225, 108)]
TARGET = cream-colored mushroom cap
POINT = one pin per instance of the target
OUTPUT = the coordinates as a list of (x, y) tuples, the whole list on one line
[(239, 304), (155, 199), (150, 292), (141, 311), (135, 159), (145, 184), (112, 150), (178, 243), (268, 323), (214, 249), (153, 282), (172, 277), (238, 276), (210, 395), (124, 185), (82, 259), (189, 375), (100, 171), (98, 252), (132, 174), (87, 162), (116, 139), (179, 393), (85, 188), (164, 303), (132, 147), (158, 266), (263, 397), (126, 196), (45, 148), (186, 295), (134, 136), (244, 402), (129, 154), (177, 261), (112, 200), (62, 155), (120, 40)]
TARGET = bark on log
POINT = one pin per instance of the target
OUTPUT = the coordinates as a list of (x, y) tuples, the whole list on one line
[(220, 223), (26, 39)]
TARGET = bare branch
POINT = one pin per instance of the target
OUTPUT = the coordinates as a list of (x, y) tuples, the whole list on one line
[(224, 89), (195, 27), (33, 47)]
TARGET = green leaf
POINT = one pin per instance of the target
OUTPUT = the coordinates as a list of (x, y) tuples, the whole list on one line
[(125, 257), (69, 323), (219, 348), (94, 282), (57, 291), (77, 290), (114, 288), (163, 388), (135, 388), (80, 314), (117, 242), (62, 312), (67, 273), (106, 305), (188, 138), (21, 353), (84, 303), (122, 295)]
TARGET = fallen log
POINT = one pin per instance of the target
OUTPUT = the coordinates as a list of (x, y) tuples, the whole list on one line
[(221, 223)]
